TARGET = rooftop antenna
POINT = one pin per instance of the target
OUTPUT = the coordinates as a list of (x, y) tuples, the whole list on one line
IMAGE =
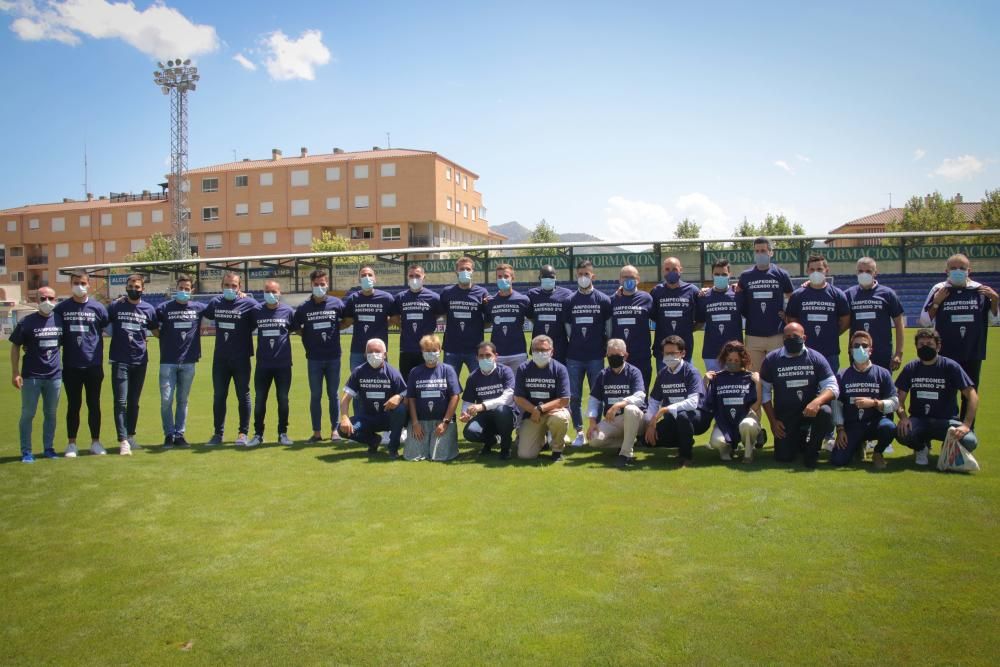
[(890, 200), (86, 180), (388, 141), (234, 155)]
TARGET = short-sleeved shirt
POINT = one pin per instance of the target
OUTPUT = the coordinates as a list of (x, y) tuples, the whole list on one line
[(180, 331), (83, 332), (371, 315), (481, 387), (674, 314), (669, 388), (874, 310), (794, 380), (932, 388), (723, 322), (233, 327), (549, 309), (464, 318), (610, 387), (630, 315), (586, 317), (39, 337), (274, 327), (963, 321), (130, 323), (873, 382), (373, 387), (541, 385), (762, 297), (432, 388), (319, 324), (730, 397), (819, 311), (418, 313), (506, 314)]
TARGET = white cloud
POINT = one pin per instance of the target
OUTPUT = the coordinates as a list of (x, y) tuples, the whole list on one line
[(637, 220), (244, 62), (959, 168), (919, 154), (158, 31), (781, 164), (699, 207), (803, 158), (295, 58)]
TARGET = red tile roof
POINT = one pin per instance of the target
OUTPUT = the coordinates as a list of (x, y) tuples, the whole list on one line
[(883, 218), (81, 205), (294, 160)]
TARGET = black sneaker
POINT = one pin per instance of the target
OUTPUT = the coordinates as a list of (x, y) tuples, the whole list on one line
[(215, 440), (180, 442), (505, 453), (625, 461), (168, 442), (314, 439), (762, 438), (485, 450), (372, 449), (557, 457), (393, 452)]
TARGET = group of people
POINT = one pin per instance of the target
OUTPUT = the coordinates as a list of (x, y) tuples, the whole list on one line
[(769, 347)]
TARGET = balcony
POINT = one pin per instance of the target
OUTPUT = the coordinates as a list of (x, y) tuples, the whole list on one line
[(35, 260), (35, 284), (421, 241)]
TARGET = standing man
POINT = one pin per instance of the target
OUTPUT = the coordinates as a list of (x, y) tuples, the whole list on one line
[(369, 310), (718, 311), (83, 323), (822, 310), (588, 324), (673, 308), (180, 351), (319, 319), (549, 310), (676, 403), (961, 310), (762, 292), (39, 335), (630, 317), (488, 402), (863, 410), (877, 310), (616, 404), (798, 385), (233, 348), (419, 309), (274, 324), (378, 393), (130, 319), (541, 390), (463, 307), (506, 311)]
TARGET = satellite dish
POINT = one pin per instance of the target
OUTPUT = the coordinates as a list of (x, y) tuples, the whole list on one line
[(192, 87), (170, 63), (166, 91), (160, 64), (187, 62)]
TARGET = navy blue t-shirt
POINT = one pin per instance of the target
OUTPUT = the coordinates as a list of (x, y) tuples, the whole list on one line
[(963, 321), (274, 326), (129, 325), (319, 324), (587, 315), (548, 313), (374, 386), (674, 314), (932, 388), (873, 310), (39, 337), (506, 314), (730, 397), (669, 388), (873, 382), (630, 314), (233, 327), (83, 332), (180, 331), (762, 297), (432, 388), (464, 318), (794, 380), (819, 312), (610, 387), (418, 313), (541, 385), (480, 387), (720, 313), (371, 315)]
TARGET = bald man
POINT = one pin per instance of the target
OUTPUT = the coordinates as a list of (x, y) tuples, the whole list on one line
[(630, 311), (674, 309)]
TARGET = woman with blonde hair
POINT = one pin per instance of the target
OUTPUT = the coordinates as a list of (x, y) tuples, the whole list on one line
[(432, 394)]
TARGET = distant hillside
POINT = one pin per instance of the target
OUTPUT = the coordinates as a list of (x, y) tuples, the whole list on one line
[(513, 230), (518, 233)]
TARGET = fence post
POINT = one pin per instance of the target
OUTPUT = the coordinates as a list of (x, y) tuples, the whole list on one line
[(701, 260), (902, 255), (658, 252), (802, 257), (572, 264)]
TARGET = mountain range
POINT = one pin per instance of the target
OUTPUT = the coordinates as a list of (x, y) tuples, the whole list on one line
[(518, 233)]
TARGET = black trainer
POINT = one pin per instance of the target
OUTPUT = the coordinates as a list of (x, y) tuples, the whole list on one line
[(314, 439), (168, 442), (485, 450), (557, 457), (372, 449), (393, 452), (505, 453), (762, 438), (180, 442), (625, 461)]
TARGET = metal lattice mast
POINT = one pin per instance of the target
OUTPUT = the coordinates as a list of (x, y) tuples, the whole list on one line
[(175, 79)]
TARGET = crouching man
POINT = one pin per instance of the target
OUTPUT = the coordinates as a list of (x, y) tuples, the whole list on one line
[(488, 402), (863, 411), (676, 403), (617, 401), (541, 390), (379, 390)]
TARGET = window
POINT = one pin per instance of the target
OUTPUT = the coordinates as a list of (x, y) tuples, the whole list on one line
[(300, 207), (300, 178), (62, 250), (473, 213), (12, 225), (448, 203), (156, 215), (33, 223), (134, 219), (361, 201), (389, 200), (391, 234), (447, 173), (465, 182), (302, 237), (333, 203), (213, 241), (244, 238), (242, 209), (266, 207), (387, 169), (84, 221), (59, 224), (110, 246), (465, 210), (210, 213), (458, 177), (361, 171), (88, 247), (18, 276), (269, 238), (362, 233), (209, 185), (105, 219), (333, 173), (241, 181), (62, 277), (267, 178), (135, 245), (17, 251)]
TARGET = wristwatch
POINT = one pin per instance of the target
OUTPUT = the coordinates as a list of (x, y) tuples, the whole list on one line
[(446, 421)]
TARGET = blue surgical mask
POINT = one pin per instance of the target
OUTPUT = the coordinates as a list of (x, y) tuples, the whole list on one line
[(319, 291), (548, 284), (720, 282), (762, 259), (229, 294), (270, 298), (182, 297), (465, 277), (673, 276), (367, 282), (859, 354), (432, 357), (503, 284), (487, 365), (630, 284), (958, 277)]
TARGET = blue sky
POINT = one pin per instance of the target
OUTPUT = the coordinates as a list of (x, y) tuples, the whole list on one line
[(618, 119)]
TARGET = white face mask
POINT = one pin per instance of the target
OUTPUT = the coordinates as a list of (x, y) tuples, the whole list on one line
[(319, 291), (817, 278), (79, 290), (866, 279), (583, 281), (541, 359), (416, 284), (671, 361), (432, 357), (375, 359), (45, 307)]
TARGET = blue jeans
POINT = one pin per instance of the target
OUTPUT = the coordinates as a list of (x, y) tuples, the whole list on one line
[(357, 358), (882, 430), (175, 382), (126, 386), (320, 370), (457, 359), (49, 392), (923, 430), (577, 369), (367, 427), (834, 361)]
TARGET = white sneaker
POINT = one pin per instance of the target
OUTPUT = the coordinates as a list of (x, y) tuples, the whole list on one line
[(241, 440), (922, 456), (253, 442), (335, 437), (385, 439), (70, 451), (888, 450), (97, 448), (829, 444), (578, 442), (126, 449), (283, 439), (403, 434)]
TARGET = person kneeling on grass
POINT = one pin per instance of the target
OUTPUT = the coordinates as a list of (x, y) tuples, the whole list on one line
[(734, 397), (487, 402), (675, 413), (616, 404), (378, 392), (863, 411), (931, 382), (541, 390), (432, 393)]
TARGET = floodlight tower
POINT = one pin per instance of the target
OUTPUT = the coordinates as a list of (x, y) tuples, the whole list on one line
[(176, 79)]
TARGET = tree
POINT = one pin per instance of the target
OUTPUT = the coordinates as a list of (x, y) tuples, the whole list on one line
[(780, 226), (687, 229), (542, 233), (932, 213), (745, 230), (160, 248), (988, 216), (330, 242)]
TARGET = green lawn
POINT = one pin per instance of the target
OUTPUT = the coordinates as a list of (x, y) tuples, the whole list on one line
[(317, 554)]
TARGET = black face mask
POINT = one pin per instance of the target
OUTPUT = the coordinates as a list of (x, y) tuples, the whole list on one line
[(616, 360), (134, 294), (926, 353), (794, 345)]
